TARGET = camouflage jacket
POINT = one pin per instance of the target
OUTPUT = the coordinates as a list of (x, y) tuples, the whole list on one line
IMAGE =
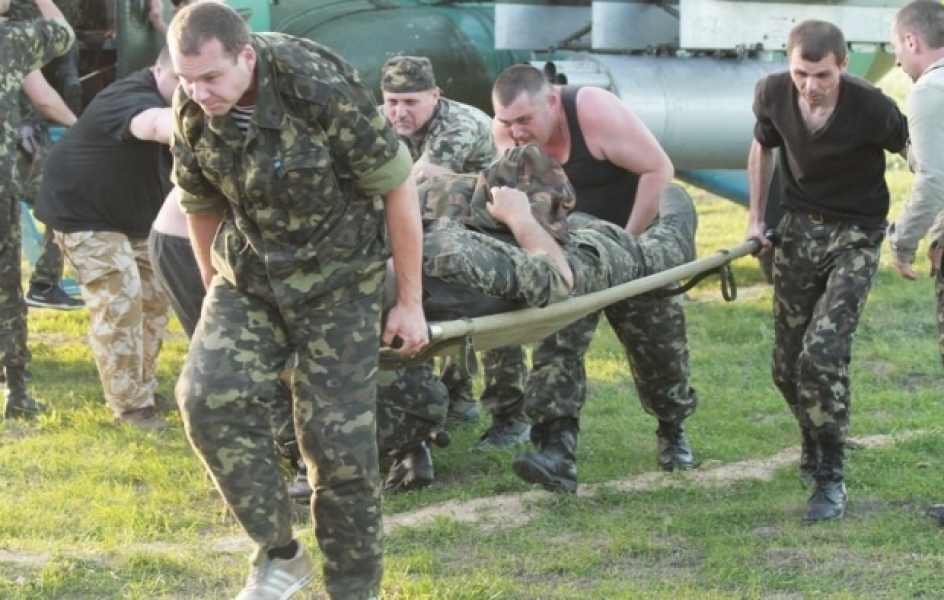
[(457, 136), (299, 189), (24, 47)]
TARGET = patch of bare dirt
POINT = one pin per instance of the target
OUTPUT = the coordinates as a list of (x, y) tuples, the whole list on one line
[(509, 511), (516, 509), (23, 558)]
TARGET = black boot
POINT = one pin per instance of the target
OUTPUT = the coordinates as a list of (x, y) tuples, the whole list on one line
[(936, 512), (809, 457), (554, 465), (674, 450), (412, 469), (19, 404), (828, 501)]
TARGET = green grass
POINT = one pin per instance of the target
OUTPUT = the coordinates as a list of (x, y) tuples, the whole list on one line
[(92, 510)]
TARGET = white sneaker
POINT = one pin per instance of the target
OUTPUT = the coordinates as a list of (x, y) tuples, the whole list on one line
[(277, 578)]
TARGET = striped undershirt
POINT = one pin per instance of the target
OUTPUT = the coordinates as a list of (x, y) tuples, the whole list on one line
[(241, 116)]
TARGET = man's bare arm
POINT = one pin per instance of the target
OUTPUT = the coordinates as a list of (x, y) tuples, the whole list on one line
[(513, 208), (203, 228), (760, 172), (406, 320), (49, 10), (47, 100), (153, 125), (614, 133), (156, 16)]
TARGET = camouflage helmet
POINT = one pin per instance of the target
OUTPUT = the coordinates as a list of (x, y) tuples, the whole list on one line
[(405, 74), (531, 170)]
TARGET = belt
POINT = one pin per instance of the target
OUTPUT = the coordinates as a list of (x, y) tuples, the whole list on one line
[(817, 218)]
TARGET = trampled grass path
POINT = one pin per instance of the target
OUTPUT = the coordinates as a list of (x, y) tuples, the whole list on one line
[(512, 510)]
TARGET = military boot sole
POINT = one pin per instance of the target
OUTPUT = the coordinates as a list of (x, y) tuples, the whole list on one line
[(398, 487), (810, 519), (300, 492), (821, 507), (21, 410), (530, 472), (18, 413), (675, 466)]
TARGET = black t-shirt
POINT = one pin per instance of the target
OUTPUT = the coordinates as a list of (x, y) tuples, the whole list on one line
[(839, 171), (98, 177), (603, 189)]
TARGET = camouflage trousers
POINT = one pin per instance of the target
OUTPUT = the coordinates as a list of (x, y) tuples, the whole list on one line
[(601, 255), (652, 333), (128, 312), (822, 274), (241, 344), (13, 349), (48, 268), (411, 404), (506, 374)]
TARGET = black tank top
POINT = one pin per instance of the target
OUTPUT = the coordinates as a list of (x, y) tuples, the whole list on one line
[(603, 189)]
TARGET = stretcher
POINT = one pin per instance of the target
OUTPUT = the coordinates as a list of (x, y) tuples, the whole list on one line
[(464, 337)]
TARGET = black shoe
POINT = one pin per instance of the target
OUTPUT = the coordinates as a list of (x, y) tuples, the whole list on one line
[(550, 471), (21, 406), (504, 433), (936, 512), (52, 297), (827, 503), (412, 469), (554, 465), (674, 451), (464, 411), (299, 490)]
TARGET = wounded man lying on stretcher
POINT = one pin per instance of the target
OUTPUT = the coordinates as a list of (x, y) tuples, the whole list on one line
[(505, 240)]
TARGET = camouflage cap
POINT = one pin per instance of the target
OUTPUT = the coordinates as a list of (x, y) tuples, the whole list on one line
[(531, 170), (404, 74)]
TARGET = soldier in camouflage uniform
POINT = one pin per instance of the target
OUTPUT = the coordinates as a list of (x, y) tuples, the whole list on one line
[(34, 142), (25, 48), (294, 185), (63, 102), (832, 130), (476, 236), (473, 264), (619, 173), (445, 136)]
